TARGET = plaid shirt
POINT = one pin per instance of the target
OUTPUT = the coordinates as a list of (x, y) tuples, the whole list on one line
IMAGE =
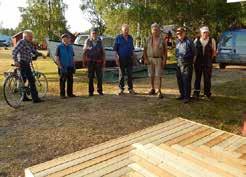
[(24, 51)]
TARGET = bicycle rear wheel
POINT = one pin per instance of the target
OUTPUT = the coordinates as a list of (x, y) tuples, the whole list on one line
[(41, 84), (13, 90)]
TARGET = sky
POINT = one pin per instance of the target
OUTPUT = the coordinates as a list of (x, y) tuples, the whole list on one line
[(10, 15)]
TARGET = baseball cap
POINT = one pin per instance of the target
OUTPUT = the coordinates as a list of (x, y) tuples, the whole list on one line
[(204, 29), (65, 35), (155, 25)]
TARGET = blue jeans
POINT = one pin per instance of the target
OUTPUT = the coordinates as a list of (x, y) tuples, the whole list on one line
[(184, 77)]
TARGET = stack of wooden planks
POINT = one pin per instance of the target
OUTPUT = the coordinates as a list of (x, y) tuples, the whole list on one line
[(177, 147)]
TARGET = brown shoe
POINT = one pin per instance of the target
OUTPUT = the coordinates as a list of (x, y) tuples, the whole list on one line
[(132, 92), (160, 95), (152, 92)]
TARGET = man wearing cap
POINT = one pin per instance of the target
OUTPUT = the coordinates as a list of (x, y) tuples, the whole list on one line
[(185, 53), (23, 54), (206, 51), (155, 55), (94, 59), (66, 67), (124, 55)]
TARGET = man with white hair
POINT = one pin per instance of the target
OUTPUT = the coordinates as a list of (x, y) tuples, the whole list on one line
[(124, 55), (205, 52), (23, 54), (155, 55)]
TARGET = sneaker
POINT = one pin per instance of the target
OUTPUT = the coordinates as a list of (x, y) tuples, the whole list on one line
[(160, 95), (91, 94), (152, 92), (132, 92), (121, 92)]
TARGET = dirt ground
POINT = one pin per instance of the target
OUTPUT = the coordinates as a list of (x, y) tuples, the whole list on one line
[(37, 133)]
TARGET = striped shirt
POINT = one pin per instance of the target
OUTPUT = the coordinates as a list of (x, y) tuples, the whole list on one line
[(23, 52)]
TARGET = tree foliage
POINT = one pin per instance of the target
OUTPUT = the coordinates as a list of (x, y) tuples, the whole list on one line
[(44, 18), (217, 14)]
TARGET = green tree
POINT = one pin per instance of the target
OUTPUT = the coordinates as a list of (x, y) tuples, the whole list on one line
[(217, 14), (44, 18), (93, 14)]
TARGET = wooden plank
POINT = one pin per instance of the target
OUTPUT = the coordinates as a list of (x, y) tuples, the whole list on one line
[(86, 164), (67, 169), (133, 174), (185, 166), (172, 170), (241, 149), (196, 137), (218, 140), (227, 153), (228, 142), (142, 170), (120, 172), (186, 120), (112, 143), (110, 149), (235, 144), (151, 167), (221, 156), (201, 163), (207, 138), (162, 139), (215, 162), (243, 157), (185, 136), (104, 168)]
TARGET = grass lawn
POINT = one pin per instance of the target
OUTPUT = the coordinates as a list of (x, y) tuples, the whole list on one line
[(36, 133)]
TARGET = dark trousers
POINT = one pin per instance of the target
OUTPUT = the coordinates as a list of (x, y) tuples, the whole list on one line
[(125, 67), (95, 68), (27, 74), (206, 71), (184, 77), (66, 77)]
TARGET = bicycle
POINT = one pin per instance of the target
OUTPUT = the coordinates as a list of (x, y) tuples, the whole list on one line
[(14, 87)]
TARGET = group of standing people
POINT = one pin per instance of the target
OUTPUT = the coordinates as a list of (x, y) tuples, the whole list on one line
[(197, 53)]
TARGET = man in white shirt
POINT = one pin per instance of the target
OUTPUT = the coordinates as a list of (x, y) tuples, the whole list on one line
[(205, 52)]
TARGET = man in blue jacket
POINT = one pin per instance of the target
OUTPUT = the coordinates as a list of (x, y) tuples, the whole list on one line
[(185, 53), (124, 55), (66, 68)]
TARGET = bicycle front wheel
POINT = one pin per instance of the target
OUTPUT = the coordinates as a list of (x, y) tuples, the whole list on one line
[(41, 84), (13, 90)]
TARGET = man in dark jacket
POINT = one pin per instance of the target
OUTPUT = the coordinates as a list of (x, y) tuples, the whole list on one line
[(185, 53), (66, 68), (205, 51), (94, 59)]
